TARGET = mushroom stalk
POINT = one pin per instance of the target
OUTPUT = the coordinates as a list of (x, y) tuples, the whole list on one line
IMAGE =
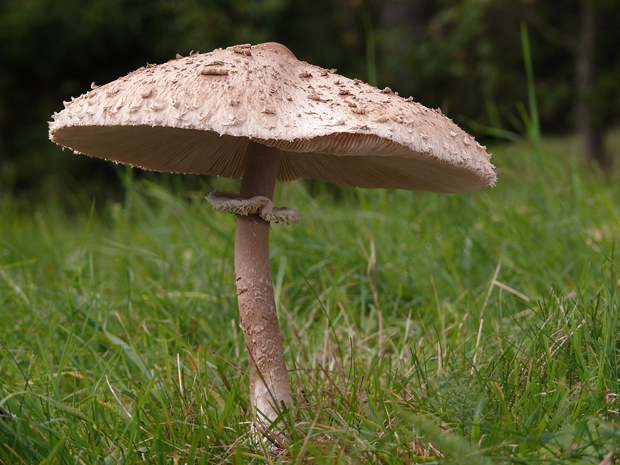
[(269, 382)]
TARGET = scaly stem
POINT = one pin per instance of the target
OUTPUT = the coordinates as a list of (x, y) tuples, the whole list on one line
[(269, 383)]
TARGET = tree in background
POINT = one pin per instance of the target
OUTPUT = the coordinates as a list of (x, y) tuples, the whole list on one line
[(590, 122), (586, 32), (463, 56)]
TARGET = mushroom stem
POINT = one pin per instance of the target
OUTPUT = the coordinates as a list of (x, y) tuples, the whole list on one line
[(269, 383)]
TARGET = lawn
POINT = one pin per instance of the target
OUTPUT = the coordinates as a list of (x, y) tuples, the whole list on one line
[(418, 328)]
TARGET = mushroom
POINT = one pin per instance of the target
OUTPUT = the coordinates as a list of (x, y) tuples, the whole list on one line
[(258, 114)]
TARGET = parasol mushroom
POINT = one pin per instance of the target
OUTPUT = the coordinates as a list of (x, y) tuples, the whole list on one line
[(258, 114)]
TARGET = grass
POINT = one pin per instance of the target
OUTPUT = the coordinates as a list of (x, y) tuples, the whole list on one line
[(418, 328)]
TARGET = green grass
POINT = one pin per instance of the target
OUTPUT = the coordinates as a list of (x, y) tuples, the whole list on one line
[(419, 328)]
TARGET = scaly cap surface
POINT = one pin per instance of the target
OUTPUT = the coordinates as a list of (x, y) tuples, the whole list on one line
[(197, 114)]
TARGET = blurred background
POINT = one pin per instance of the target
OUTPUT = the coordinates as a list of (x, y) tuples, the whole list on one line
[(483, 62)]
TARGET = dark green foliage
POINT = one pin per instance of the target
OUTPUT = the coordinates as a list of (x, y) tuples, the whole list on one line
[(464, 56)]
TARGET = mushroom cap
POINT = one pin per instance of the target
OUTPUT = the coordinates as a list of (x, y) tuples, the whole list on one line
[(197, 114)]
